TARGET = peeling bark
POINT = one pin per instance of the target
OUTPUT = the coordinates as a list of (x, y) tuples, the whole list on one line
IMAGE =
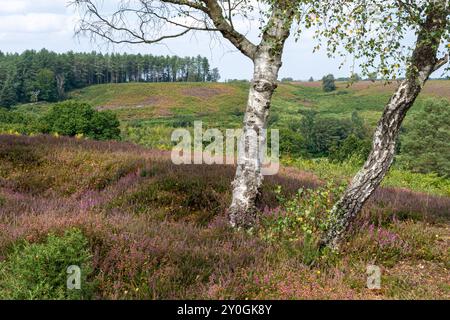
[(423, 63), (267, 62)]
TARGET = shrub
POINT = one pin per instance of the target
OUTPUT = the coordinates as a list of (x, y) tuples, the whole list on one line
[(273, 119), (39, 270), (425, 145), (69, 118), (237, 112), (18, 121), (183, 122), (328, 84), (322, 133), (73, 118), (104, 126), (301, 218), (352, 147), (291, 143), (340, 138)]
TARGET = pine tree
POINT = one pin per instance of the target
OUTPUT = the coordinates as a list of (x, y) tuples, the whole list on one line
[(8, 96)]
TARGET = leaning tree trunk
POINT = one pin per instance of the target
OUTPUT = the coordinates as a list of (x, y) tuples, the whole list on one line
[(267, 62), (423, 63)]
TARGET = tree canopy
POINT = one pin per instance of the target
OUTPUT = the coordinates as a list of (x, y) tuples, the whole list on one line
[(425, 146), (46, 76)]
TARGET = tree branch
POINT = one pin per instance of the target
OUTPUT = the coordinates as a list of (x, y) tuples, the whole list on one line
[(441, 62), (213, 20), (215, 12)]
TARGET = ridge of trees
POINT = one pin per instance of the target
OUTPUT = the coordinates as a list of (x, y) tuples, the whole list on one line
[(46, 76)]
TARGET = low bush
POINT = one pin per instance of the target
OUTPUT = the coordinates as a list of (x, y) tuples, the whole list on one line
[(39, 270), (73, 118), (300, 220), (351, 147), (15, 121)]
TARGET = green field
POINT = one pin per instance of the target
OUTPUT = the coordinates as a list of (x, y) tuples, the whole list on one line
[(149, 112), (154, 109), (144, 108)]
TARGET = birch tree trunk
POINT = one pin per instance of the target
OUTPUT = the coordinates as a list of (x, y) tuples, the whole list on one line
[(267, 62), (423, 63)]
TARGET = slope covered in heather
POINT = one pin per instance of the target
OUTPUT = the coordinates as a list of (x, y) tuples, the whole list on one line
[(156, 230)]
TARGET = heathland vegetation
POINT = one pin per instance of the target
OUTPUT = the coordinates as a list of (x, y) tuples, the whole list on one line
[(326, 132), (313, 124), (142, 227)]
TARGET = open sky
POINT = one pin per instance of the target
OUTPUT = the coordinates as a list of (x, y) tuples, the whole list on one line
[(50, 24)]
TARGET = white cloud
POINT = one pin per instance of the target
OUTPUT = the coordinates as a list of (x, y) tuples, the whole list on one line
[(11, 7), (35, 23), (38, 6)]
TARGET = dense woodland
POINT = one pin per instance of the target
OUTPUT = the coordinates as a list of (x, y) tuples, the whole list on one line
[(46, 76)]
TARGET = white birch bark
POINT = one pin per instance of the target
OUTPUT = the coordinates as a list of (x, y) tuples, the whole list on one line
[(267, 63), (424, 61)]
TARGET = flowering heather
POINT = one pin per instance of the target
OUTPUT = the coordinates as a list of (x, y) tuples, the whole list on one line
[(159, 231)]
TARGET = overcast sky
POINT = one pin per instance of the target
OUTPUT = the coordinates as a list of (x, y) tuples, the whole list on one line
[(50, 24)]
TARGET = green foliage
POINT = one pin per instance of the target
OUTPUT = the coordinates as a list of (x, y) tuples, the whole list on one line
[(372, 32), (273, 119), (328, 83), (72, 118), (46, 85), (69, 118), (214, 75), (104, 126), (291, 143), (46, 76), (155, 136), (359, 128), (351, 147), (322, 133), (16, 121), (356, 146), (331, 136), (303, 217), (372, 76), (396, 177), (183, 122), (39, 270), (8, 95), (425, 146)]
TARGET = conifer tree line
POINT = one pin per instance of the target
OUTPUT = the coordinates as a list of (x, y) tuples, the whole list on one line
[(47, 76)]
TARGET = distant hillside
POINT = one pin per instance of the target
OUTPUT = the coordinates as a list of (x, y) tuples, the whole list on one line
[(149, 112), (438, 88), (156, 108), (143, 101)]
